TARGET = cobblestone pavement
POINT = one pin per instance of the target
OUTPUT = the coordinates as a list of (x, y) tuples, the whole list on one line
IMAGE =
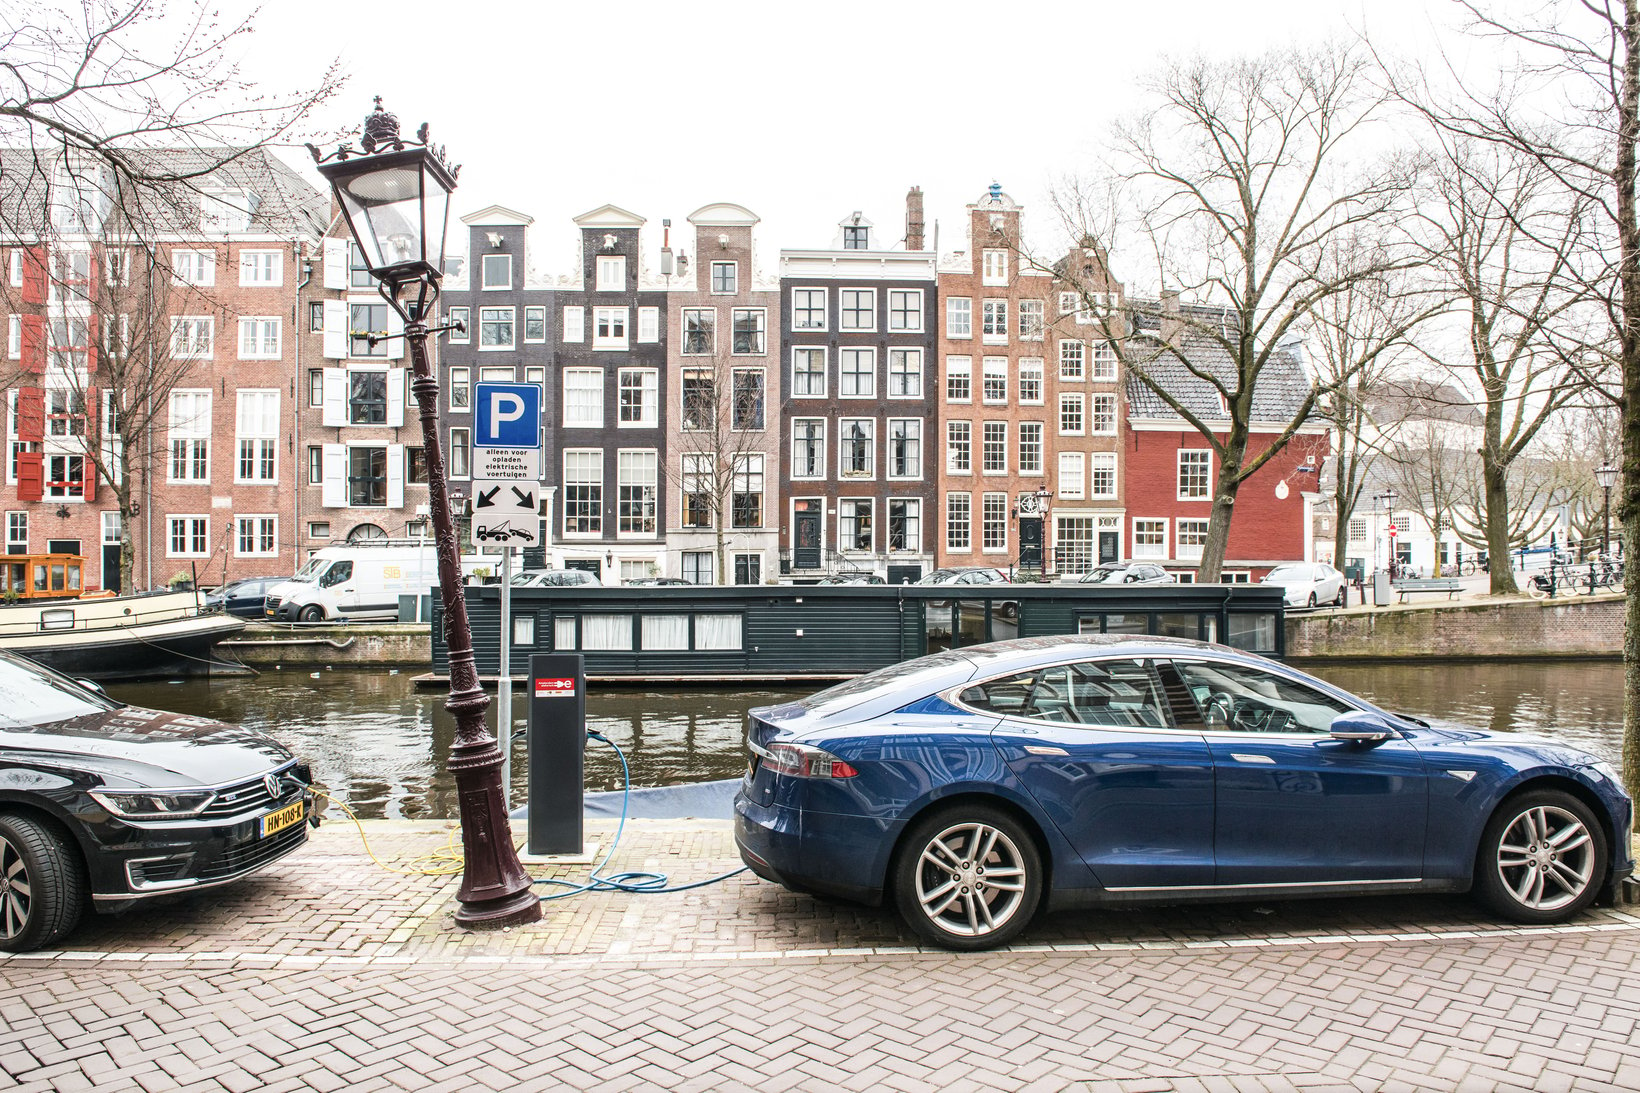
[(327, 972)]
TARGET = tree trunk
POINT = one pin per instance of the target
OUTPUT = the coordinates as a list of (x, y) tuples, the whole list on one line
[(1628, 506), (1495, 482), (1224, 500)]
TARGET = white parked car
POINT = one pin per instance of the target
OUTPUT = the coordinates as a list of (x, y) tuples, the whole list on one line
[(1308, 584)]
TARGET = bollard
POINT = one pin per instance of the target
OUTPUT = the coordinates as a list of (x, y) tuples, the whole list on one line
[(557, 731)]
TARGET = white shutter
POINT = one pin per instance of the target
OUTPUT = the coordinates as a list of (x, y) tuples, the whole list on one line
[(395, 397), (336, 329), (335, 263), (649, 324), (575, 321), (395, 325), (395, 476), (333, 477), (335, 397)]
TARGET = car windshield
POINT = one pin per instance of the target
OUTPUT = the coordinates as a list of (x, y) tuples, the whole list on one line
[(313, 568), (31, 695), (1288, 573), (1107, 576)]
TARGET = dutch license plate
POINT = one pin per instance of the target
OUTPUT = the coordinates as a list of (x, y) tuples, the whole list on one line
[(293, 813)]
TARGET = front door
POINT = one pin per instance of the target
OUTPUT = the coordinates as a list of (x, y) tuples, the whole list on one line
[(1093, 742), (1030, 542), (806, 547), (1296, 806), (1108, 547)]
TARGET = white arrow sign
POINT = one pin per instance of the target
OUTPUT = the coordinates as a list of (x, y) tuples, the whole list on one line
[(505, 512)]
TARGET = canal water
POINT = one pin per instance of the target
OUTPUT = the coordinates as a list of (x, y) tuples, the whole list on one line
[(379, 744)]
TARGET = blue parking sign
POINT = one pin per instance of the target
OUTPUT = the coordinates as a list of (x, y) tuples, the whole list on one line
[(507, 415)]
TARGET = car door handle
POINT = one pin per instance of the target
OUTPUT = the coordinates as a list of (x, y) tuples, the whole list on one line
[(1242, 758), (1040, 749)]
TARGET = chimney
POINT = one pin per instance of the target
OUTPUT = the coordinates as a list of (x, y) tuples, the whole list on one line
[(914, 219), (1172, 326)]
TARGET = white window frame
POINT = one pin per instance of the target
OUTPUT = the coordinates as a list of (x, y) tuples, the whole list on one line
[(494, 314), (596, 463), (994, 321), (819, 440), (734, 279), (638, 468), (993, 266), (1076, 399), (808, 292), (913, 427), (844, 427), (959, 317), (959, 438), (856, 353), (909, 372), (261, 268), (461, 379), (1102, 368), (1206, 463), (1072, 484), (264, 433), (579, 417), (1031, 331), (959, 369), (848, 513), (1196, 528), (844, 311), (1040, 431), (993, 378), (575, 325), (198, 534), (797, 392), (501, 261), (258, 326), (1032, 375), (910, 301), (193, 430), (610, 316), (649, 394), (1108, 414), (539, 310), (193, 267), (610, 273), (465, 316), (1101, 463), (762, 331), (267, 521), (993, 516), (649, 325), (1158, 527), (965, 543), (186, 340), (993, 438)]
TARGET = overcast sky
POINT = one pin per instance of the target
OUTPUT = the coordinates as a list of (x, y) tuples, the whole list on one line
[(801, 112)]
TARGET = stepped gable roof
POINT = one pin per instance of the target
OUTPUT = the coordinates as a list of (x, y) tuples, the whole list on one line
[(282, 202), (1278, 395)]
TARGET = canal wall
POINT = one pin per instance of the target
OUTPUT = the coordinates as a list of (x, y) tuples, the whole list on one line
[(1590, 626), (263, 645)]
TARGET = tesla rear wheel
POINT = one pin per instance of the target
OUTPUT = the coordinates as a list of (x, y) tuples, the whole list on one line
[(1541, 858), (41, 889), (968, 878), (313, 613)]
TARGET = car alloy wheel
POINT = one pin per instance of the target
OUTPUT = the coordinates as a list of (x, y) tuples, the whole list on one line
[(313, 613), (968, 878), (1541, 858), (41, 888)]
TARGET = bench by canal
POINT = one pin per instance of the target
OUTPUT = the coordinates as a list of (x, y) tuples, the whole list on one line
[(765, 633)]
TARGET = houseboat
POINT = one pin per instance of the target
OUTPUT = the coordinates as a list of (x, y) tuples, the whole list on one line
[(47, 616)]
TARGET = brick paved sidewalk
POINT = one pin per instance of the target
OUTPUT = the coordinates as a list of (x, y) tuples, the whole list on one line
[(326, 972)]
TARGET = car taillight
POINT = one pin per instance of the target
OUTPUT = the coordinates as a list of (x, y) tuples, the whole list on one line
[(803, 761)]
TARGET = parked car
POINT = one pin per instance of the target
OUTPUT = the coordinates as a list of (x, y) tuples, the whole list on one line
[(852, 578), (103, 804), (1307, 584), (555, 578), (975, 787), (243, 597), (1129, 573), (966, 575), (668, 582)]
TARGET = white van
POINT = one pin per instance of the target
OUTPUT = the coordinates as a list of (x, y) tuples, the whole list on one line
[(361, 580)]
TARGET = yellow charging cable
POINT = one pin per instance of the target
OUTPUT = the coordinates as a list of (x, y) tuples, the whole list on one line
[(446, 862)]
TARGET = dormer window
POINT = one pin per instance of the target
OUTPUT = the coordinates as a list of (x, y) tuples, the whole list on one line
[(225, 211), (724, 278), (856, 237), (611, 273)]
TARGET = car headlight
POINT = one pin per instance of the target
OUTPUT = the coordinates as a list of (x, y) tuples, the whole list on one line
[(153, 804)]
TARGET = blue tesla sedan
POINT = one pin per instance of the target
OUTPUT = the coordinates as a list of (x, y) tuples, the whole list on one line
[(977, 787)]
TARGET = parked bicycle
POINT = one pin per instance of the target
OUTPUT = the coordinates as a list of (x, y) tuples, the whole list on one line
[(1567, 578)]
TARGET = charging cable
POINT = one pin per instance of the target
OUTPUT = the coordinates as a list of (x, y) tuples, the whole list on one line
[(635, 881)]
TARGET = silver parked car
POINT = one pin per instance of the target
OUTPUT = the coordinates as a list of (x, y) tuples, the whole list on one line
[(1308, 584)]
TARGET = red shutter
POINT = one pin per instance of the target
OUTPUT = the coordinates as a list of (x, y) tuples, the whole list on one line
[(31, 414), (34, 275), (91, 344), (34, 344), (88, 468), (31, 476)]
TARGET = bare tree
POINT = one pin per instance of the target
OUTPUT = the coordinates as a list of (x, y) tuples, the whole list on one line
[(1251, 209), (725, 415), (82, 93), (1500, 241), (1570, 99), (1429, 474)]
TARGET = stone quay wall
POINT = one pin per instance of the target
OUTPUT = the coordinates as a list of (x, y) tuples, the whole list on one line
[(1590, 626)]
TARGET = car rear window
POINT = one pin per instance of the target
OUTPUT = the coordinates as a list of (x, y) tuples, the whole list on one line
[(908, 680)]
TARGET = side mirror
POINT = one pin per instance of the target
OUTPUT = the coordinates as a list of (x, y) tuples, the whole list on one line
[(1361, 726), (90, 686)]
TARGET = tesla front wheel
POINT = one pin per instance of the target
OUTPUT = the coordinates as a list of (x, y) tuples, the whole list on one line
[(1541, 858), (968, 878), (42, 891)]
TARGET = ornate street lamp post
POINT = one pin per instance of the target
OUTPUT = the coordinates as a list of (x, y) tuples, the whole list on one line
[(395, 194), (1606, 477)]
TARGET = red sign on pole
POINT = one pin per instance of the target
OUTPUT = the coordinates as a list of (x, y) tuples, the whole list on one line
[(555, 688)]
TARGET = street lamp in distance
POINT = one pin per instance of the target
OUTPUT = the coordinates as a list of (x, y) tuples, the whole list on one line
[(395, 194), (1605, 476), (1387, 499)]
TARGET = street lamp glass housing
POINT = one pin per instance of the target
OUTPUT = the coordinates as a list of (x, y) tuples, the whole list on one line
[(397, 205), (1605, 476)]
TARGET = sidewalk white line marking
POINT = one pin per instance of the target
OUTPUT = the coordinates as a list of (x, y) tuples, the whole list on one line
[(1623, 924)]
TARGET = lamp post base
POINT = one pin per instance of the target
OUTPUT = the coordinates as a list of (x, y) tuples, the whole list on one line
[(519, 909)]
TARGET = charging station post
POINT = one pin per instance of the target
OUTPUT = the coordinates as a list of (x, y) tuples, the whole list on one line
[(557, 740)]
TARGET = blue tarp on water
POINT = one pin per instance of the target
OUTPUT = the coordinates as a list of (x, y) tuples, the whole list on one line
[(702, 800)]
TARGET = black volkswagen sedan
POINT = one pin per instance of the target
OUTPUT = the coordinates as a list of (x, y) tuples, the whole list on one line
[(103, 804)]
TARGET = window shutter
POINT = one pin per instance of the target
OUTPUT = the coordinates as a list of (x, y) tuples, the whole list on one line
[(333, 477), (88, 468), (31, 414), (649, 324), (395, 476), (91, 343), (336, 329), (335, 263), (34, 343), (395, 325), (31, 476), (34, 275), (395, 397), (207, 268), (335, 410)]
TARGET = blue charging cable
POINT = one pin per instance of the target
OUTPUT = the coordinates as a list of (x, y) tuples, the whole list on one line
[(636, 881)]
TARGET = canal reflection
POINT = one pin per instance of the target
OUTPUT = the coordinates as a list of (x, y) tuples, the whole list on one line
[(380, 744)]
